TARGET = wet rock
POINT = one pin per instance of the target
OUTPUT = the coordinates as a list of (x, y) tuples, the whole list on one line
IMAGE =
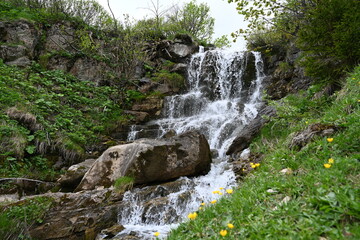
[(75, 173), (138, 117), (150, 161), (243, 140), (302, 138), (76, 216), (180, 68), (150, 105), (170, 133), (112, 231)]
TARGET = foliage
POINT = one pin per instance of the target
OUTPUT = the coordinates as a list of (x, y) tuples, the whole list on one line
[(89, 12), (330, 39), (43, 111), (15, 219), (325, 31), (313, 200), (192, 19), (222, 42)]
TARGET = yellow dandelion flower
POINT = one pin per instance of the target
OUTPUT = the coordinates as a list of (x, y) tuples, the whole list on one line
[(257, 165), (213, 201), (220, 193), (221, 188), (330, 139), (326, 165), (192, 216), (252, 165), (229, 191), (223, 233), (216, 192), (202, 204), (156, 234), (331, 161), (230, 225)]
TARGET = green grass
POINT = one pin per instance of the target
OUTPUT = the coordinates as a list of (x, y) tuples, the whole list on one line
[(323, 202), (124, 183)]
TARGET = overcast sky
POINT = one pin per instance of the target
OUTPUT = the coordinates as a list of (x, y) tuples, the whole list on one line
[(227, 20)]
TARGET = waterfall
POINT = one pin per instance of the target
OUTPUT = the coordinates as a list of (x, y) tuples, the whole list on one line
[(222, 97)]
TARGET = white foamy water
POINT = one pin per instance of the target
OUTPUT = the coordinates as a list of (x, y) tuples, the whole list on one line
[(219, 103)]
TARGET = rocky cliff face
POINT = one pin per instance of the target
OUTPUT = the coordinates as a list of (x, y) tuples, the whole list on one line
[(284, 74)]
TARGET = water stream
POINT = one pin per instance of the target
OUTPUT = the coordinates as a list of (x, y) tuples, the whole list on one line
[(219, 103)]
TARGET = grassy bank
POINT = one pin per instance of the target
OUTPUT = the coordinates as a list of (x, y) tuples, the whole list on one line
[(45, 112), (318, 197)]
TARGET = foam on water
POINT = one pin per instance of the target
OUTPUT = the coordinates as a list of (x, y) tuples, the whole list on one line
[(218, 105)]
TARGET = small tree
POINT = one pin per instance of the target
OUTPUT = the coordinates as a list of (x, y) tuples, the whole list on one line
[(193, 19)]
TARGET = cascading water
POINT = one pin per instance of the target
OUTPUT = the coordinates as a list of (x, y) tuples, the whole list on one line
[(219, 103)]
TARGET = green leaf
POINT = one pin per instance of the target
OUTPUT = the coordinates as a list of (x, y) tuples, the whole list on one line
[(30, 149)]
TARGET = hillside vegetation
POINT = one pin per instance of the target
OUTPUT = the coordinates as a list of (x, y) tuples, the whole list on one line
[(307, 193), (52, 116)]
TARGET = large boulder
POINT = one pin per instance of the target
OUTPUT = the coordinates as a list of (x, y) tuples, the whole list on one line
[(72, 177), (148, 160)]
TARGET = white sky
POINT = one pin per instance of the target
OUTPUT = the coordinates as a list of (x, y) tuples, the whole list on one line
[(227, 20)]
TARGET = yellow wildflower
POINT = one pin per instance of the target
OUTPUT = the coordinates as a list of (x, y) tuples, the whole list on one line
[(223, 233), (216, 192), (220, 193), (252, 165), (306, 122), (229, 191), (230, 225), (331, 161), (192, 216), (156, 234), (200, 208), (202, 204), (326, 165), (330, 139), (213, 201), (257, 165), (221, 188)]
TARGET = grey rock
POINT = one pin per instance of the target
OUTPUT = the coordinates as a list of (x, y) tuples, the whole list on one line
[(75, 173), (148, 160), (243, 140)]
